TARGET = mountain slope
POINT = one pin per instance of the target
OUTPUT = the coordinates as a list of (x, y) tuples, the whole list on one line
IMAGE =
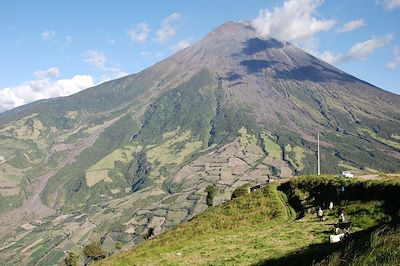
[(233, 108), (261, 228)]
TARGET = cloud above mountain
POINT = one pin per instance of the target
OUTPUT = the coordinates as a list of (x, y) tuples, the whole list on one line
[(168, 28), (100, 62), (352, 25), (182, 44), (139, 33), (389, 4), (295, 21), (33, 90), (47, 35), (396, 60), (358, 51), (49, 73)]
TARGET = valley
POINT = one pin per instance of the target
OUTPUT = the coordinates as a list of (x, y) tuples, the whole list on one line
[(129, 159)]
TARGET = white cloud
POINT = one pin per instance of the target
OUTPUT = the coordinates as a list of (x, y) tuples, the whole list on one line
[(295, 21), (96, 59), (362, 49), (352, 25), (389, 4), (358, 51), (139, 33), (396, 60), (182, 44), (146, 53), (49, 73), (167, 29), (329, 57), (99, 61), (112, 42), (310, 45), (34, 90), (47, 35)]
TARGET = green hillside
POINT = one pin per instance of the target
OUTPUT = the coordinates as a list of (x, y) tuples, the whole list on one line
[(135, 154), (263, 228)]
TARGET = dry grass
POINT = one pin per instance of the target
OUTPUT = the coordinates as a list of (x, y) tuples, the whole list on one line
[(93, 177)]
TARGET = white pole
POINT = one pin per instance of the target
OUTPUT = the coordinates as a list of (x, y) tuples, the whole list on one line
[(319, 162)]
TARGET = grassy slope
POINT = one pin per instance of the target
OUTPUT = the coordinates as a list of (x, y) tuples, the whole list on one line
[(382, 247), (260, 228), (217, 234)]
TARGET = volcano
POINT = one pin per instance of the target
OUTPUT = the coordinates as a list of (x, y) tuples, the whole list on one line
[(137, 152)]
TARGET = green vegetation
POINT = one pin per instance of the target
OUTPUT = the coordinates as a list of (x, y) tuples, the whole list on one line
[(242, 190), (228, 121), (189, 107), (171, 130), (93, 252), (74, 189), (217, 234), (390, 143), (10, 202), (138, 171), (211, 193), (118, 245), (71, 259), (378, 193), (295, 156), (270, 147), (383, 248), (260, 227)]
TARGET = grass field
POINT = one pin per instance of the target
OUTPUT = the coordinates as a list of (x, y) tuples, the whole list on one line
[(295, 155), (273, 149), (261, 227), (391, 143)]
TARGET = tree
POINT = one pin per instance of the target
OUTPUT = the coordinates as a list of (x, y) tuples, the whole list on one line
[(118, 245), (211, 192), (242, 190), (71, 259), (149, 233), (93, 251)]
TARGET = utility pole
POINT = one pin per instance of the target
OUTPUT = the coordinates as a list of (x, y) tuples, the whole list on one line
[(319, 160)]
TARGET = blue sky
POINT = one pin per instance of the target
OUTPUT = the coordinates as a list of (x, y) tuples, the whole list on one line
[(55, 48)]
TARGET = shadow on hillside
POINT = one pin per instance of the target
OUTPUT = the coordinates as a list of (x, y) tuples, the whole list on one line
[(358, 191), (317, 252), (256, 66), (315, 73), (255, 45), (231, 76)]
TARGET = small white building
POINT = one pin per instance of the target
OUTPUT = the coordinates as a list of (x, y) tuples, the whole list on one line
[(347, 174), (2, 158)]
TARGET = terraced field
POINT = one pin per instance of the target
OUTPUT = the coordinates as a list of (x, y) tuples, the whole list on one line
[(132, 156), (167, 202)]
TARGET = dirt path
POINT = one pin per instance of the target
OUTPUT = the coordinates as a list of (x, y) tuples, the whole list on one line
[(33, 206), (369, 177)]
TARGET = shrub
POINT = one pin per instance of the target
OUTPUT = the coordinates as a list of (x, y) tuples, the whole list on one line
[(242, 190), (211, 192), (71, 259), (93, 251), (118, 245)]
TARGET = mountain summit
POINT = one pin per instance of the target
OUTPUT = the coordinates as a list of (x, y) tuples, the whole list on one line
[(134, 155)]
